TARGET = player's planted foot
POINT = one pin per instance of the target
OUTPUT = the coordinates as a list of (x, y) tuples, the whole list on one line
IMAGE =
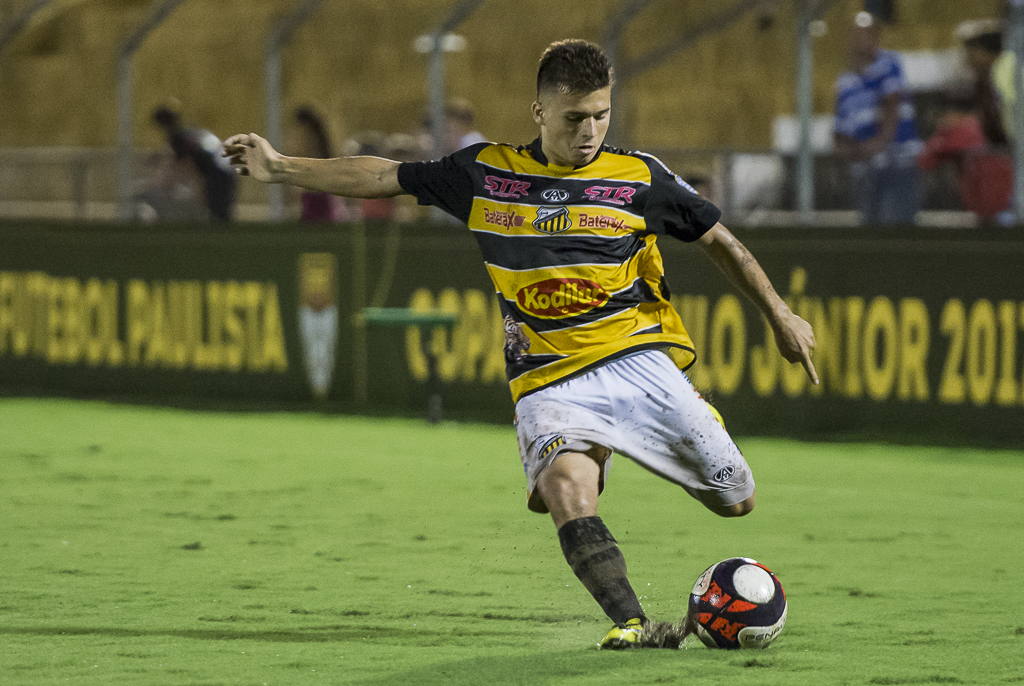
[(625, 637)]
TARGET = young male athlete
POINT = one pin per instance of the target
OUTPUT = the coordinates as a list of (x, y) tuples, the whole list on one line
[(567, 227)]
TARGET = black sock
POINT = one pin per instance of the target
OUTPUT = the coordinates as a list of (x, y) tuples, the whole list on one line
[(595, 558)]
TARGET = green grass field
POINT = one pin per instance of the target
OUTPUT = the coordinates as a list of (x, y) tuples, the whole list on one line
[(151, 546)]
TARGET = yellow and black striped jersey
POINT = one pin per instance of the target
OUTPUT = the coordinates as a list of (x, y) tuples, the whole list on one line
[(571, 251)]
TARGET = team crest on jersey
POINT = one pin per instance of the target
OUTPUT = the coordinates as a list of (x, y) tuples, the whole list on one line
[(555, 195), (558, 298), (552, 219)]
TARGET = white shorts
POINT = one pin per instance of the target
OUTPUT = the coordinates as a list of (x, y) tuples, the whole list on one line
[(642, 407)]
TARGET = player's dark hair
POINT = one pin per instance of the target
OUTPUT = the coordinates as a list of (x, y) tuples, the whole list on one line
[(308, 118), (574, 66), (167, 118)]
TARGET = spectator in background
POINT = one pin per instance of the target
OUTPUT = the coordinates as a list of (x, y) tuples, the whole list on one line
[(373, 144), (984, 174), (983, 43), (459, 131), (875, 130), (314, 141), (171, 193), (201, 149), (1003, 70), (405, 147)]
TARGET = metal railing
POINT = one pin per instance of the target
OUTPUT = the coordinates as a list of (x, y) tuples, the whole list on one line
[(754, 187)]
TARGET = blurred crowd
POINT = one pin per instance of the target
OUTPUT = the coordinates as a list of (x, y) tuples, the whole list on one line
[(189, 180), (876, 131), (888, 155)]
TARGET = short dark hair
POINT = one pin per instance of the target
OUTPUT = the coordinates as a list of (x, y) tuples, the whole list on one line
[(306, 116), (167, 118), (989, 42), (574, 66)]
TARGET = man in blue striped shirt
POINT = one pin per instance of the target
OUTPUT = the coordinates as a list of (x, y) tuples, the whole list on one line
[(875, 130)]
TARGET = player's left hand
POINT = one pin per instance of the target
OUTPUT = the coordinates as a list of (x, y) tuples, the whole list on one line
[(252, 155), (795, 340)]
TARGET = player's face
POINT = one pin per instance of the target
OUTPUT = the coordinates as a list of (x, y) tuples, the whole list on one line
[(572, 125)]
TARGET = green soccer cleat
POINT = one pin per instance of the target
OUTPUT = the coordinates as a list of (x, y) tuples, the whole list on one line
[(625, 637)]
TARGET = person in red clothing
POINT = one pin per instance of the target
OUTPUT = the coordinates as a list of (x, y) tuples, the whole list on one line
[(985, 175), (314, 141)]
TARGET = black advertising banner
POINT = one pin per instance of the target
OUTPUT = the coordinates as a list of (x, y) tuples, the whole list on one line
[(173, 312), (918, 330)]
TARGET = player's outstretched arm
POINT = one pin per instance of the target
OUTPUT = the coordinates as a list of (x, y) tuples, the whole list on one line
[(793, 335), (353, 177)]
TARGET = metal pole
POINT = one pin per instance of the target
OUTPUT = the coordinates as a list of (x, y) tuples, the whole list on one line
[(1016, 31), (435, 75), (435, 90), (125, 56), (613, 31), (18, 24), (805, 101), (360, 348), (280, 35)]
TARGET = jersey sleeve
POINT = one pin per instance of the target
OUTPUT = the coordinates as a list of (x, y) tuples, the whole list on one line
[(674, 208), (445, 183)]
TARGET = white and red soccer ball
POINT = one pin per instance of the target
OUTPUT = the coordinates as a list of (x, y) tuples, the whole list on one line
[(737, 603)]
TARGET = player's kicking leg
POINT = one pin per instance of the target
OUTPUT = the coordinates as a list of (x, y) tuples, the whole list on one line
[(569, 488)]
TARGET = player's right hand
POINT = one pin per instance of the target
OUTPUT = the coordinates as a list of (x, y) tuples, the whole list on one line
[(252, 155), (795, 341)]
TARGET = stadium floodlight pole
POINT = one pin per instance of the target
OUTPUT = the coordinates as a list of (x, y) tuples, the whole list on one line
[(280, 35), (808, 12), (804, 105), (18, 24), (125, 56), (1016, 36), (435, 77)]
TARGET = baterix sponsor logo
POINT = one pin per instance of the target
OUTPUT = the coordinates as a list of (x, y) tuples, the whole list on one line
[(556, 298), (506, 219)]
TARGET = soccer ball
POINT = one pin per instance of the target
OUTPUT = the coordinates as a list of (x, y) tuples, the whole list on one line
[(737, 603)]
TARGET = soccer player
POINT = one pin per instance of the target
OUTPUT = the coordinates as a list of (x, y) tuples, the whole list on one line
[(567, 227)]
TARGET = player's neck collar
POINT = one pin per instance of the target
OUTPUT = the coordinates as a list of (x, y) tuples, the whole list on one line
[(536, 152)]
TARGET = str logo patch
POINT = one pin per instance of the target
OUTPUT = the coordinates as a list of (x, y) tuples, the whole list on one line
[(555, 195), (617, 195), (559, 298), (505, 188), (505, 219), (724, 473), (552, 219)]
